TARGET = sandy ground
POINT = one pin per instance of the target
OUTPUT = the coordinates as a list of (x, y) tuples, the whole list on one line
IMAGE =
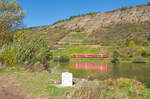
[(11, 90)]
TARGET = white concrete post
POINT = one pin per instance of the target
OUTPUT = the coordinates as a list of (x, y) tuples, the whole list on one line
[(67, 79)]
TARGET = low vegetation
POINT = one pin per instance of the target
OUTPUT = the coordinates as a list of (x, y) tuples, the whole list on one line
[(115, 57), (123, 8), (138, 59), (61, 59), (27, 51), (112, 89), (44, 85), (148, 3), (77, 49), (38, 84)]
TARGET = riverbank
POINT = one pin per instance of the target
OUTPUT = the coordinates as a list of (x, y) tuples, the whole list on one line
[(108, 60), (43, 85), (37, 84)]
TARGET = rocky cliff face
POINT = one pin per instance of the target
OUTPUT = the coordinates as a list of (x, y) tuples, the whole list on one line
[(138, 14)]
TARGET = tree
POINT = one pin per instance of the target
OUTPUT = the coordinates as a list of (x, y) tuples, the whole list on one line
[(148, 3), (142, 52), (115, 57), (123, 8), (131, 44), (11, 16), (148, 38)]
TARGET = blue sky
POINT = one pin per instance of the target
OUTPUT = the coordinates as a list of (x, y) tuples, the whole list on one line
[(45, 12)]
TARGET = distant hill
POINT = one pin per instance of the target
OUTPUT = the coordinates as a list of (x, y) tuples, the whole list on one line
[(93, 21), (117, 27)]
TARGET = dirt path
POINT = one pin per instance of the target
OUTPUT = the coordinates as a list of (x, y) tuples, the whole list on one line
[(10, 90)]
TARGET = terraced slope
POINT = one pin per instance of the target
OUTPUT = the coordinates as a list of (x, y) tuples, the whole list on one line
[(74, 38), (113, 28), (53, 34)]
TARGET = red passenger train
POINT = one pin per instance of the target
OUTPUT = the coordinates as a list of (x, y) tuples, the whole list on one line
[(90, 56)]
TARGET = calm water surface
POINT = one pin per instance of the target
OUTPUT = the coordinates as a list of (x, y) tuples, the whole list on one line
[(99, 70)]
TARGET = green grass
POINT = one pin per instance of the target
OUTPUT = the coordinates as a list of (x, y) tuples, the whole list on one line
[(79, 38), (117, 37), (79, 49), (53, 34), (39, 83), (120, 34), (112, 89), (74, 37)]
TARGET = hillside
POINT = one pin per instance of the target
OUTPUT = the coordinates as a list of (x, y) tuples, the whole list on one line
[(113, 28), (93, 21), (53, 34)]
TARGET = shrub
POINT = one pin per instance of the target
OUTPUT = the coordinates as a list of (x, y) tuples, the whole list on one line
[(7, 56), (62, 59), (92, 13), (123, 8), (56, 59), (131, 6), (148, 3), (145, 44), (79, 29), (27, 50), (131, 44), (111, 89), (72, 17), (142, 52), (148, 37), (115, 57), (138, 59)]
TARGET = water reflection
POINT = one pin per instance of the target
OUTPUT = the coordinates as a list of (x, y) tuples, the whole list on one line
[(91, 66), (96, 70)]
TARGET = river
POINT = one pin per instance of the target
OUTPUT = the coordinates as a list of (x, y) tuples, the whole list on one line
[(92, 70)]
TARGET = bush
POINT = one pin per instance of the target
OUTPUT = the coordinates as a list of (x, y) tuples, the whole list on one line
[(62, 59), (115, 57), (142, 52), (138, 59), (123, 8), (148, 3), (111, 89), (131, 6), (79, 29), (148, 37), (145, 44), (131, 44), (28, 50), (92, 13), (115, 60), (7, 56)]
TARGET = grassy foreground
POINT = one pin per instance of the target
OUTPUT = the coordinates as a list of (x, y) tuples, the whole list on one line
[(42, 85), (38, 84), (112, 89)]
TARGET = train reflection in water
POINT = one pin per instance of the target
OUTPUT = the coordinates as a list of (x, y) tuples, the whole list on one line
[(91, 66)]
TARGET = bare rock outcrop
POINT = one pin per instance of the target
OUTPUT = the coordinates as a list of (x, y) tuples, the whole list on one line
[(138, 14)]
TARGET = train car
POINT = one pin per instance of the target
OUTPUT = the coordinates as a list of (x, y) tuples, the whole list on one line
[(90, 56)]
